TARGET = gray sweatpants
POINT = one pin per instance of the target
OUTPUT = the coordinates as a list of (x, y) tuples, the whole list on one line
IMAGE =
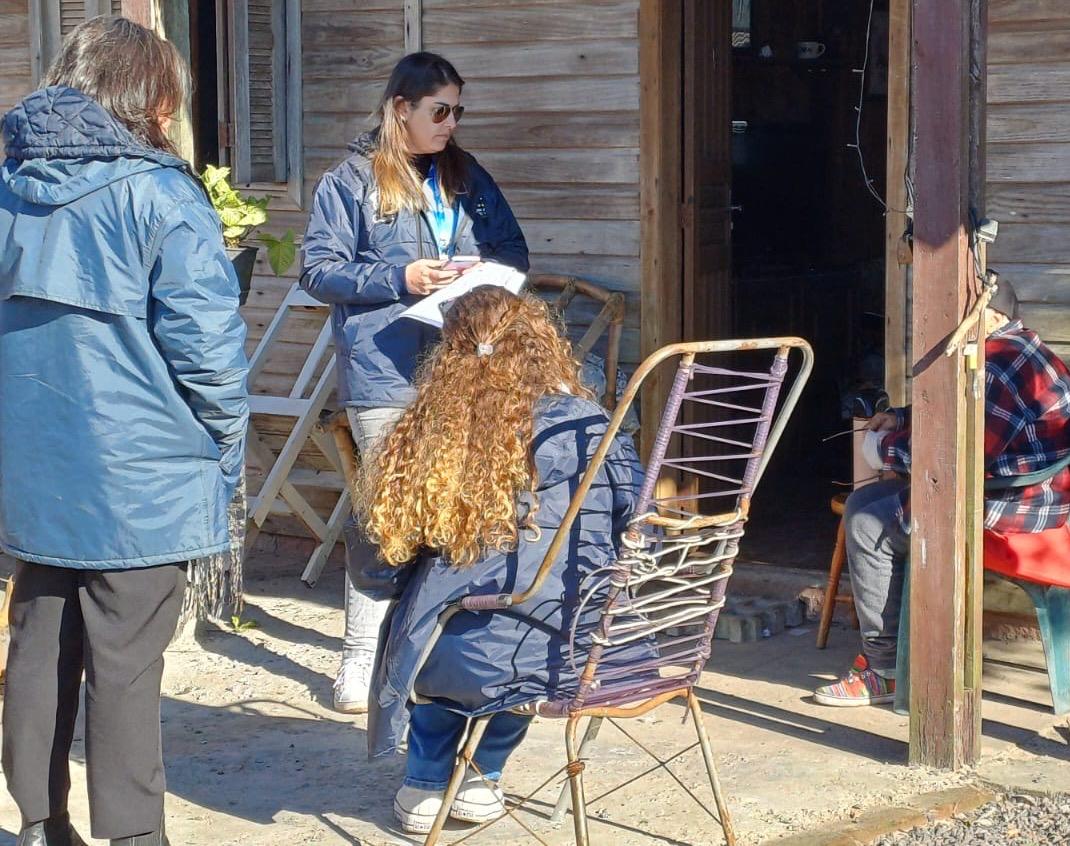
[(115, 625), (877, 552), (365, 616)]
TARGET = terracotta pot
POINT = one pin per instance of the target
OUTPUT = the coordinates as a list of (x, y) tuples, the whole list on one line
[(244, 260)]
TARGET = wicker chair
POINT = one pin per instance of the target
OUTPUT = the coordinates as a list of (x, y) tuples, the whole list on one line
[(668, 585), (610, 318)]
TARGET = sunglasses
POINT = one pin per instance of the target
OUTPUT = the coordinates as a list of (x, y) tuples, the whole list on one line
[(441, 111)]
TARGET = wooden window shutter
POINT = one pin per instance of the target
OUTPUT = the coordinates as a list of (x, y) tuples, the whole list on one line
[(116, 7), (71, 13), (259, 77)]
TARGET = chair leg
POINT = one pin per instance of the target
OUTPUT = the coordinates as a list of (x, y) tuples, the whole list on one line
[(575, 780), (563, 797), (902, 652), (475, 734), (832, 589), (1053, 617), (711, 769)]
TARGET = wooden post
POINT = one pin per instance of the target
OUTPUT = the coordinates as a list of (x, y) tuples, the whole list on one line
[(38, 56), (897, 274), (414, 26), (944, 703), (660, 151), (975, 388), (140, 11)]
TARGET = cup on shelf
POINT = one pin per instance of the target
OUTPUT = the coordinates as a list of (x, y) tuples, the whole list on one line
[(809, 50)]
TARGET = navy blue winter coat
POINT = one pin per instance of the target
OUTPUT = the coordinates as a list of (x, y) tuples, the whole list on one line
[(355, 260), (489, 662), (123, 402)]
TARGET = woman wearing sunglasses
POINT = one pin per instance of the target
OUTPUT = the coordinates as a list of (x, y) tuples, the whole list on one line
[(384, 229)]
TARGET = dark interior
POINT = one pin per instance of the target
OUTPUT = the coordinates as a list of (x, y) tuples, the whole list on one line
[(808, 239), (203, 60)]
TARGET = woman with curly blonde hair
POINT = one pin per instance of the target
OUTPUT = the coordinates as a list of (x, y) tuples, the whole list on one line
[(395, 221), (464, 497)]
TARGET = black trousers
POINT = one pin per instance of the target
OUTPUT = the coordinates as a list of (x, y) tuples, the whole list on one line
[(115, 625)]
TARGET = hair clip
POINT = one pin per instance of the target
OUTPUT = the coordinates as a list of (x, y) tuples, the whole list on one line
[(483, 350)]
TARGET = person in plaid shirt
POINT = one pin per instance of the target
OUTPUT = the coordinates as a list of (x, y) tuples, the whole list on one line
[(1027, 429)]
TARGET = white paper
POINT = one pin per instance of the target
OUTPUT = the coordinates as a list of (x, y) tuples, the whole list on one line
[(433, 307)]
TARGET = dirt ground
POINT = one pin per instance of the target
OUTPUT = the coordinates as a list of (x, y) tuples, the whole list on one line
[(255, 755)]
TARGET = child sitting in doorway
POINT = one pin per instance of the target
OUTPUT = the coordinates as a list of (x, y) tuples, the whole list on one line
[(464, 497)]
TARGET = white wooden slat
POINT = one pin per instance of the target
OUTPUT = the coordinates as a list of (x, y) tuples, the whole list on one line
[(294, 443), (278, 406), (315, 356)]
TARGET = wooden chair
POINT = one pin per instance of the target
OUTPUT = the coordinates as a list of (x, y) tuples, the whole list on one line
[(668, 585), (833, 597), (610, 317), (302, 403)]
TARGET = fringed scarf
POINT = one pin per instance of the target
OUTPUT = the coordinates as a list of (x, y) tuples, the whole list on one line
[(215, 583)]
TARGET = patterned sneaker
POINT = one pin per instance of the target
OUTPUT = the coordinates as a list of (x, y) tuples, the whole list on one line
[(861, 686)]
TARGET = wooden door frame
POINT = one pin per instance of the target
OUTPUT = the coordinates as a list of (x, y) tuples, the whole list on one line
[(661, 168), (896, 251), (660, 187)]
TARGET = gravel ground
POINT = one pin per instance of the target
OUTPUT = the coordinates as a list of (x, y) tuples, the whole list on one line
[(1020, 820)]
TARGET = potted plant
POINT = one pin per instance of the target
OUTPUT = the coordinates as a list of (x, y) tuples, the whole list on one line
[(240, 216)]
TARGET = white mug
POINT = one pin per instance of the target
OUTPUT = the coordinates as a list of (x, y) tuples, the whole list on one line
[(810, 49)]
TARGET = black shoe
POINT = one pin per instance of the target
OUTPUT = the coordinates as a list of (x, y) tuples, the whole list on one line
[(153, 838), (55, 831)]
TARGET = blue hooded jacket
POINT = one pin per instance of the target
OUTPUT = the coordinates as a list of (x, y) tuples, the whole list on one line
[(355, 260), (123, 403), (488, 662)]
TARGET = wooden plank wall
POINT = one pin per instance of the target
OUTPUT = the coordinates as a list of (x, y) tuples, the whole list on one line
[(1029, 158), (553, 113), (16, 77), (348, 50)]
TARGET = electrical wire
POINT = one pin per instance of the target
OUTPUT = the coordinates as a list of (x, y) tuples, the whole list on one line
[(857, 146)]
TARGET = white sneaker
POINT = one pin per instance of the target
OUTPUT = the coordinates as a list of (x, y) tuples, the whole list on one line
[(416, 808), (477, 801), (353, 685)]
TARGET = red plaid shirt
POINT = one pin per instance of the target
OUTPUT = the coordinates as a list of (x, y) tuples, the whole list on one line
[(1027, 428)]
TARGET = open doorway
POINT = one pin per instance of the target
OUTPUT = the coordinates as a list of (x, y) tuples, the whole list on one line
[(773, 174)]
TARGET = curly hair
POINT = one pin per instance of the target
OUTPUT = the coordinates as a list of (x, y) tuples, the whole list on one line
[(449, 476)]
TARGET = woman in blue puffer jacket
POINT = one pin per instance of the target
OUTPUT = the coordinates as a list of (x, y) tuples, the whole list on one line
[(123, 411), (465, 497), (383, 226)]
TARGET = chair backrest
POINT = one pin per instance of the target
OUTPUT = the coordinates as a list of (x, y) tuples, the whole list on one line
[(610, 318), (660, 600)]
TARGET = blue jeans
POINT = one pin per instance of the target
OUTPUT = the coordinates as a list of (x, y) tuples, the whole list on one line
[(435, 735)]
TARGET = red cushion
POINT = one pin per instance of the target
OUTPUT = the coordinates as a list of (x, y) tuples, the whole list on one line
[(1042, 557)]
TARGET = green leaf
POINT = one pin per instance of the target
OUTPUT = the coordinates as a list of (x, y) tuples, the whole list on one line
[(281, 252), (239, 625), (239, 215), (212, 176)]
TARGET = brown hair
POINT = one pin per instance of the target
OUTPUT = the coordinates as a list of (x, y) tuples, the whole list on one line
[(448, 477), (128, 69), (400, 185)]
